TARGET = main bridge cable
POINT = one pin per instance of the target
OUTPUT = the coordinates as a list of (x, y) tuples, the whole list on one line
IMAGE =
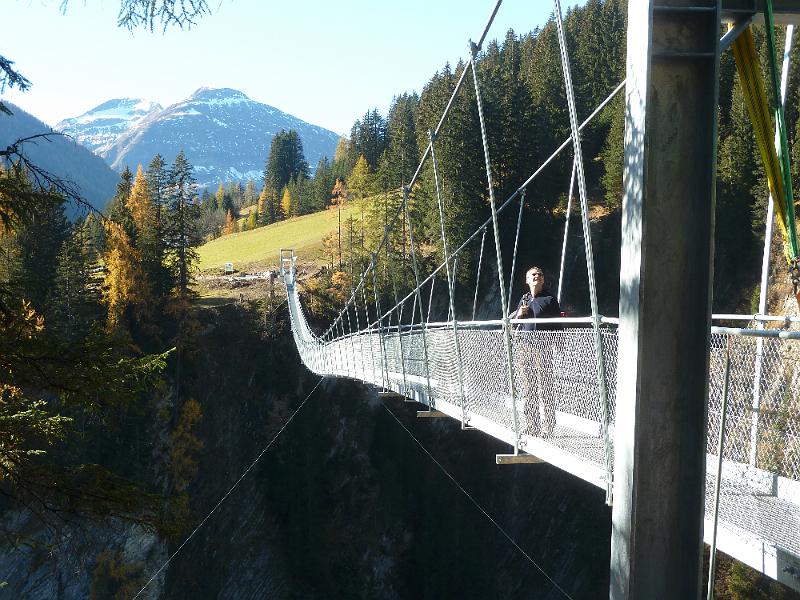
[(425, 155), (233, 487), (481, 229), (477, 505)]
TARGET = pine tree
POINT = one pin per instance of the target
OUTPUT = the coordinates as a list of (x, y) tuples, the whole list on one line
[(181, 236), (612, 154), (250, 196), (73, 301), (140, 206), (399, 161), (147, 239), (339, 197), (117, 209), (321, 186), (264, 217), (368, 137), (360, 181), (285, 162), (234, 197), (219, 197), (344, 159), (157, 186), (39, 246), (94, 233)]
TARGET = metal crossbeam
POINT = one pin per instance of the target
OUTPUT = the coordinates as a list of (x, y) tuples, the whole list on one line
[(517, 459), (786, 11)]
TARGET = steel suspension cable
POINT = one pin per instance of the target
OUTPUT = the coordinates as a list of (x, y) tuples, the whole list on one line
[(384, 363), (514, 259), (430, 299), (587, 239), (450, 282), (360, 337), (566, 233), (419, 297), (369, 330), (352, 342), (478, 274), (399, 314), (499, 251)]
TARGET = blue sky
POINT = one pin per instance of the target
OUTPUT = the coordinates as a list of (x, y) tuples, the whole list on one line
[(324, 62)]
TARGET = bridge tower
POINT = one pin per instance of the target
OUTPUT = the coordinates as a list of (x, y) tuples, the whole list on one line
[(665, 291)]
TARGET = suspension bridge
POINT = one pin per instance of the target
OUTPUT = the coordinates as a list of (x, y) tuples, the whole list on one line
[(691, 428)]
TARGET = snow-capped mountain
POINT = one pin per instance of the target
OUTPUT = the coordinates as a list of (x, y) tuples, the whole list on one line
[(100, 127), (225, 135)]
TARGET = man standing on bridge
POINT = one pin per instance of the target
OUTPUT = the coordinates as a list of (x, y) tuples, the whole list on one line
[(534, 353)]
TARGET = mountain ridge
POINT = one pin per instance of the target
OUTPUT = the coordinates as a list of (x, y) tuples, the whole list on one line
[(225, 134), (99, 127)]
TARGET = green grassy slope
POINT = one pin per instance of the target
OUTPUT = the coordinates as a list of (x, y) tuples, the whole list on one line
[(257, 249)]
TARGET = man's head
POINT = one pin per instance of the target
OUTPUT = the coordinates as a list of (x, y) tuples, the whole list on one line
[(534, 277)]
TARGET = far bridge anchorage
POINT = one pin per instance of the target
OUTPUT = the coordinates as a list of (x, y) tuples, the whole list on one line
[(691, 428)]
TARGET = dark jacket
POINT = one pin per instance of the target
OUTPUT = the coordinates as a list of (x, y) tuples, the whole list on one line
[(545, 304)]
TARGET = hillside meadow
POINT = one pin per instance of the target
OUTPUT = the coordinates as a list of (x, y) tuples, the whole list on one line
[(258, 249)]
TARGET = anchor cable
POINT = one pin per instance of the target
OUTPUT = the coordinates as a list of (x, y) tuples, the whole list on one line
[(477, 505), (228, 493)]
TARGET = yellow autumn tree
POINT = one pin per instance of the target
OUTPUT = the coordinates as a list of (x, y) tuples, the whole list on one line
[(124, 279), (360, 181), (185, 445), (287, 204), (219, 197), (139, 204), (263, 199), (252, 219), (230, 223)]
